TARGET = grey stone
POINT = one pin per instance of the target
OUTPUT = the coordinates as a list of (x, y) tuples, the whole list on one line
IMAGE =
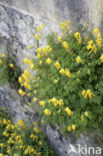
[(17, 106)]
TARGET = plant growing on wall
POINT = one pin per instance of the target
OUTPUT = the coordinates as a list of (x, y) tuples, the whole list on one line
[(68, 84), (9, 72), (21, 139)]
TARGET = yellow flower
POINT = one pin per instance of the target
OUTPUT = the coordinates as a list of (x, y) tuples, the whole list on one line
[(38, 55), (67, 73), (21, 92), (78, 59), (26, 85), (62, 71), (88, 92), (27, 61), (11, 65), (48, 60), (47, 49), (101, 58), (38, 29), (34, 99), (60, 102), (20, 79), (99, 42), (77, 35), (1, 154), (37, 36), (59, 38), (69, 128), (1, 62), (21, 123), (5, 134), (68, 110), (91, 46), (73, 127), (65, 45), (53, 100), (62, 25), (86, 113), (96, 30), (83, 92), (41, 103), (57, 65), (39, 50), (3, 55), (8, 151), (27, 73), (47, 112)]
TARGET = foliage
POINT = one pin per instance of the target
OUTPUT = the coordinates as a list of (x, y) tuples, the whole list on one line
[(21, 139), (9, 72), (68, 83)]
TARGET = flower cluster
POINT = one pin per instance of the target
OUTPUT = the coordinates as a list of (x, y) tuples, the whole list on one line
[(91, 46), (78, 59), (87, 94), (61, 70), (19, 140), (78, 37), (25, 78), (98, 35)]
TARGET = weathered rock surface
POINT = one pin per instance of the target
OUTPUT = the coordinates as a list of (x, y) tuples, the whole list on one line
[(16, 105), (54, 10), (15, 33), (17, 30), (57, 11)]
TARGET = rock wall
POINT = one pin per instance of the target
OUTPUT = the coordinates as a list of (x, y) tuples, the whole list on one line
[(57, 11), (18, 20)]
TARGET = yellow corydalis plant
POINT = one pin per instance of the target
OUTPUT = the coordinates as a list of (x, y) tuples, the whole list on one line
[(77, 35), (65, 45), (57, 65), (78, 59), (48, 60), (68, 110), (47, 112), (64, 77), (87, 94), (59, 38), (99, 41), (91, 47)]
